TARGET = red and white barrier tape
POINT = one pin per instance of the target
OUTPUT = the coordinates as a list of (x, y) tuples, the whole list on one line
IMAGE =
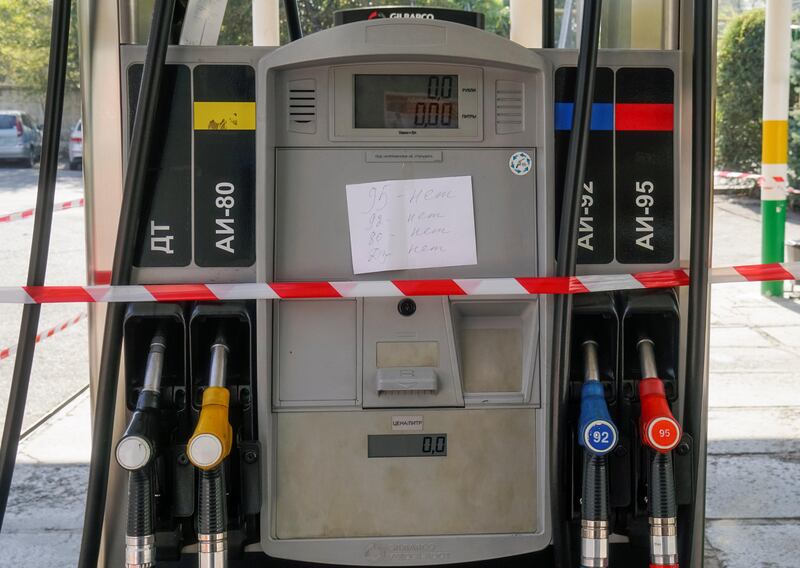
[(19, 215), (389, 288), (742, 175), (758, 177), (7, 352)]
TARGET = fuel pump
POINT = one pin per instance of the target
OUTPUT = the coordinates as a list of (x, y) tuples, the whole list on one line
[(598, 436), (283, 145), (661, 433), (136, 452), (207, 449)]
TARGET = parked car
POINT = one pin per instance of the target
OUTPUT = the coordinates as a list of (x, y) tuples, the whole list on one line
[(20, 139), (76, 146)]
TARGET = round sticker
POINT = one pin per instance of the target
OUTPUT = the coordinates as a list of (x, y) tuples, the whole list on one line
[(600, 436), (520, 163), (664, 434)]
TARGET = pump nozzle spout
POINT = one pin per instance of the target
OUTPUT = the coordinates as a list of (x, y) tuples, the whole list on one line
[(136, 452), (661, 432), (207, 449), (136, 449), (597, 432), (213, 436)]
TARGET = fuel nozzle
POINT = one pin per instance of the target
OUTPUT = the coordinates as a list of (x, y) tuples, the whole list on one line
[(207, 449), (136, 452), (660, 432), (211, 442), (598, 436), (658, 427)]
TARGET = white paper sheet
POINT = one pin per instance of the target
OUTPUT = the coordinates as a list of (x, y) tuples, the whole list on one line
[(420, 223)]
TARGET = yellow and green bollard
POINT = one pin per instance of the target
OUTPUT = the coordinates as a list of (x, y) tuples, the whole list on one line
[(775, 140)]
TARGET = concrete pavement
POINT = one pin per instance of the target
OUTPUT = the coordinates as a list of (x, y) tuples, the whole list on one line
[(753, 506), (60, 367), (45, 510)]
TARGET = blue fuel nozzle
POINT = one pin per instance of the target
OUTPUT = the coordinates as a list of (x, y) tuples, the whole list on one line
[(596, 431)]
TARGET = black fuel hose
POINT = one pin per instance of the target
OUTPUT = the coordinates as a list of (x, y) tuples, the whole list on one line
[(594, 497), (293, 19), (695, 414), (141, 502), (566, 263), (40, 245), (661, 498), (211, 501), (133, 198), (548, 23)]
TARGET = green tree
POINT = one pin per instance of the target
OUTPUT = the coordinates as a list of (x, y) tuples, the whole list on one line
[(740, 77), (25, 45), (740, 73), (316, 15)]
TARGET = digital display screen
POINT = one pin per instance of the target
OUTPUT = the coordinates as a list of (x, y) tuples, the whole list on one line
[(406, 101), (406, 445)]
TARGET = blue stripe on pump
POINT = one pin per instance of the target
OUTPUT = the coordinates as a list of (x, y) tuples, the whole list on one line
[(602, 116)]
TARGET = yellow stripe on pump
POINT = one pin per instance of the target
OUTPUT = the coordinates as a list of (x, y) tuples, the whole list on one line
[(235, 115), (211, 442)]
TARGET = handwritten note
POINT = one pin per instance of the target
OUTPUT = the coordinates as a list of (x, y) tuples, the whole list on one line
[(419, 223)]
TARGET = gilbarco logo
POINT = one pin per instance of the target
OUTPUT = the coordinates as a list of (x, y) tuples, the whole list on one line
[(375, 14)]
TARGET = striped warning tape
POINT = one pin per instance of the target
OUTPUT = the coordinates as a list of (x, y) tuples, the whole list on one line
[(389, 288), (19, 215), (7, 352), (751, 176)]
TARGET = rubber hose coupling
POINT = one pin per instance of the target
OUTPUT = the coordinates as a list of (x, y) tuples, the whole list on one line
[(594, 512), (663, 509), (663, 543)]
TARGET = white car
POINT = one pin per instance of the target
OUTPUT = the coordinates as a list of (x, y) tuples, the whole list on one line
[(20, 138), (76, 146)]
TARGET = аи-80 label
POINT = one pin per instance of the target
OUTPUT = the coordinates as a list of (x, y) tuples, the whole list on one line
[(224, 165)]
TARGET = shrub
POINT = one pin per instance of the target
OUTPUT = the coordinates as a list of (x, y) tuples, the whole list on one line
[(740, 75)]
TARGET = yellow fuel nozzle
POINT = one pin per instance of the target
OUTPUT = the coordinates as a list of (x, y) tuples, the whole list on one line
[(213, 436)]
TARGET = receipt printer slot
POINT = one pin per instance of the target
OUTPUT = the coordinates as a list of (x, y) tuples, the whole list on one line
[(411, 380)]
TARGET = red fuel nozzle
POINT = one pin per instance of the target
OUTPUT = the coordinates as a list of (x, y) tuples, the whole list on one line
[(658, 427)]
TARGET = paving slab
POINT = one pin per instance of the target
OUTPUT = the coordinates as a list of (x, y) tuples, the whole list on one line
[(753, 487), (770, 313), (40, 549), (753, 430), (46, 497), (738, 336), (64, 439), (755, 389), (761, 359), (749, 545), (787, 335)]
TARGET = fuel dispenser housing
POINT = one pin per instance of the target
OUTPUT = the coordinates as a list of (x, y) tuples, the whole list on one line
[(330, 397)]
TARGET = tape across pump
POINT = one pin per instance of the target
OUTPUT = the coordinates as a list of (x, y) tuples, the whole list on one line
[(392, 288)]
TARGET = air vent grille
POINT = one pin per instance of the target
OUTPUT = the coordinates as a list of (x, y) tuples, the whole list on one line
[(303, 106), (509, 107)]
